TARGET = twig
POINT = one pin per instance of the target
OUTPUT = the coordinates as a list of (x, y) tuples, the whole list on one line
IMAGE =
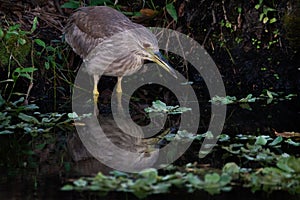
[(224, 10), (184, 58), (31, 76), (212, 24), (206, 36), (57, 5)]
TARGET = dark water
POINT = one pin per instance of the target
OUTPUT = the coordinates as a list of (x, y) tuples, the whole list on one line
[(45, 181), (264, 118), (48, 187), (24, 186)]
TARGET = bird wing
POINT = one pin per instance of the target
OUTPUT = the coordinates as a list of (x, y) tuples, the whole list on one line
[(89, 26)]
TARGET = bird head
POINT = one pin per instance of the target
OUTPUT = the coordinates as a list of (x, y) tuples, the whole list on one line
[(148, 50)]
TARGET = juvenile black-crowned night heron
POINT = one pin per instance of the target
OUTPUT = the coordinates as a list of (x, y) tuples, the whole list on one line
[(91, 32)]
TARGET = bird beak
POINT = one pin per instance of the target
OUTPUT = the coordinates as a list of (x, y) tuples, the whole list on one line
[(159, 59)]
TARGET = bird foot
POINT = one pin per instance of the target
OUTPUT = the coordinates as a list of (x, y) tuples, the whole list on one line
[(96, 110)]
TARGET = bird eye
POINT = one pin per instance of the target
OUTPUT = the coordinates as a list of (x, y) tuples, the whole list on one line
[(146, 45)]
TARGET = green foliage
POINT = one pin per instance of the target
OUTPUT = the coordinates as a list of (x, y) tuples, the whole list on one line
[(149, 182), (21, 53), (29, 132), (263, 17), (227, 24), (276, 141), (261, 140), (169, 7), (261, 149), (73, 4), (293, 143), (257, 151), (172, 11), (266, 95), (23, 72), (14, 51), (286, 176), (54, 58), (15, 46), (50, 53), (18, 118), (161, 107)]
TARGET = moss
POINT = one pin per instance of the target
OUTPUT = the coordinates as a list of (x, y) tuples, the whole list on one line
[(11, 45), (291, 22)]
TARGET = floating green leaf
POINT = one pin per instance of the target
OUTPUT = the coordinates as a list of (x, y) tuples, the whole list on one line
[(277, 140), (246, 106), (223, 137), (260, 140), (212, 178), (231, 168), (291, 142), (67, 187), (5, 132), (80, 183), (194, 180), (161, 107), (150, 175)]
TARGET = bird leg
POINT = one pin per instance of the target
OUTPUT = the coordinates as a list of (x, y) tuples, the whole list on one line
[(96, 94), (119, 92)]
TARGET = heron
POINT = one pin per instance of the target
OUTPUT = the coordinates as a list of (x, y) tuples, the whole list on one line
[(89, 30)]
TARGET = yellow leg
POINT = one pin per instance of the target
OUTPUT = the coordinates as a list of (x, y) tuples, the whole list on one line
[(119, 91), (119, 85), (95, 91), (96, 94)]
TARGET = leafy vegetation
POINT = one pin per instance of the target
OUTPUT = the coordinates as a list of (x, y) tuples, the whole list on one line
[(161, 107), (15, 117), (15, 49), (267, 96), (23, 59), (73, 4), (277, 172), (149, 182)]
